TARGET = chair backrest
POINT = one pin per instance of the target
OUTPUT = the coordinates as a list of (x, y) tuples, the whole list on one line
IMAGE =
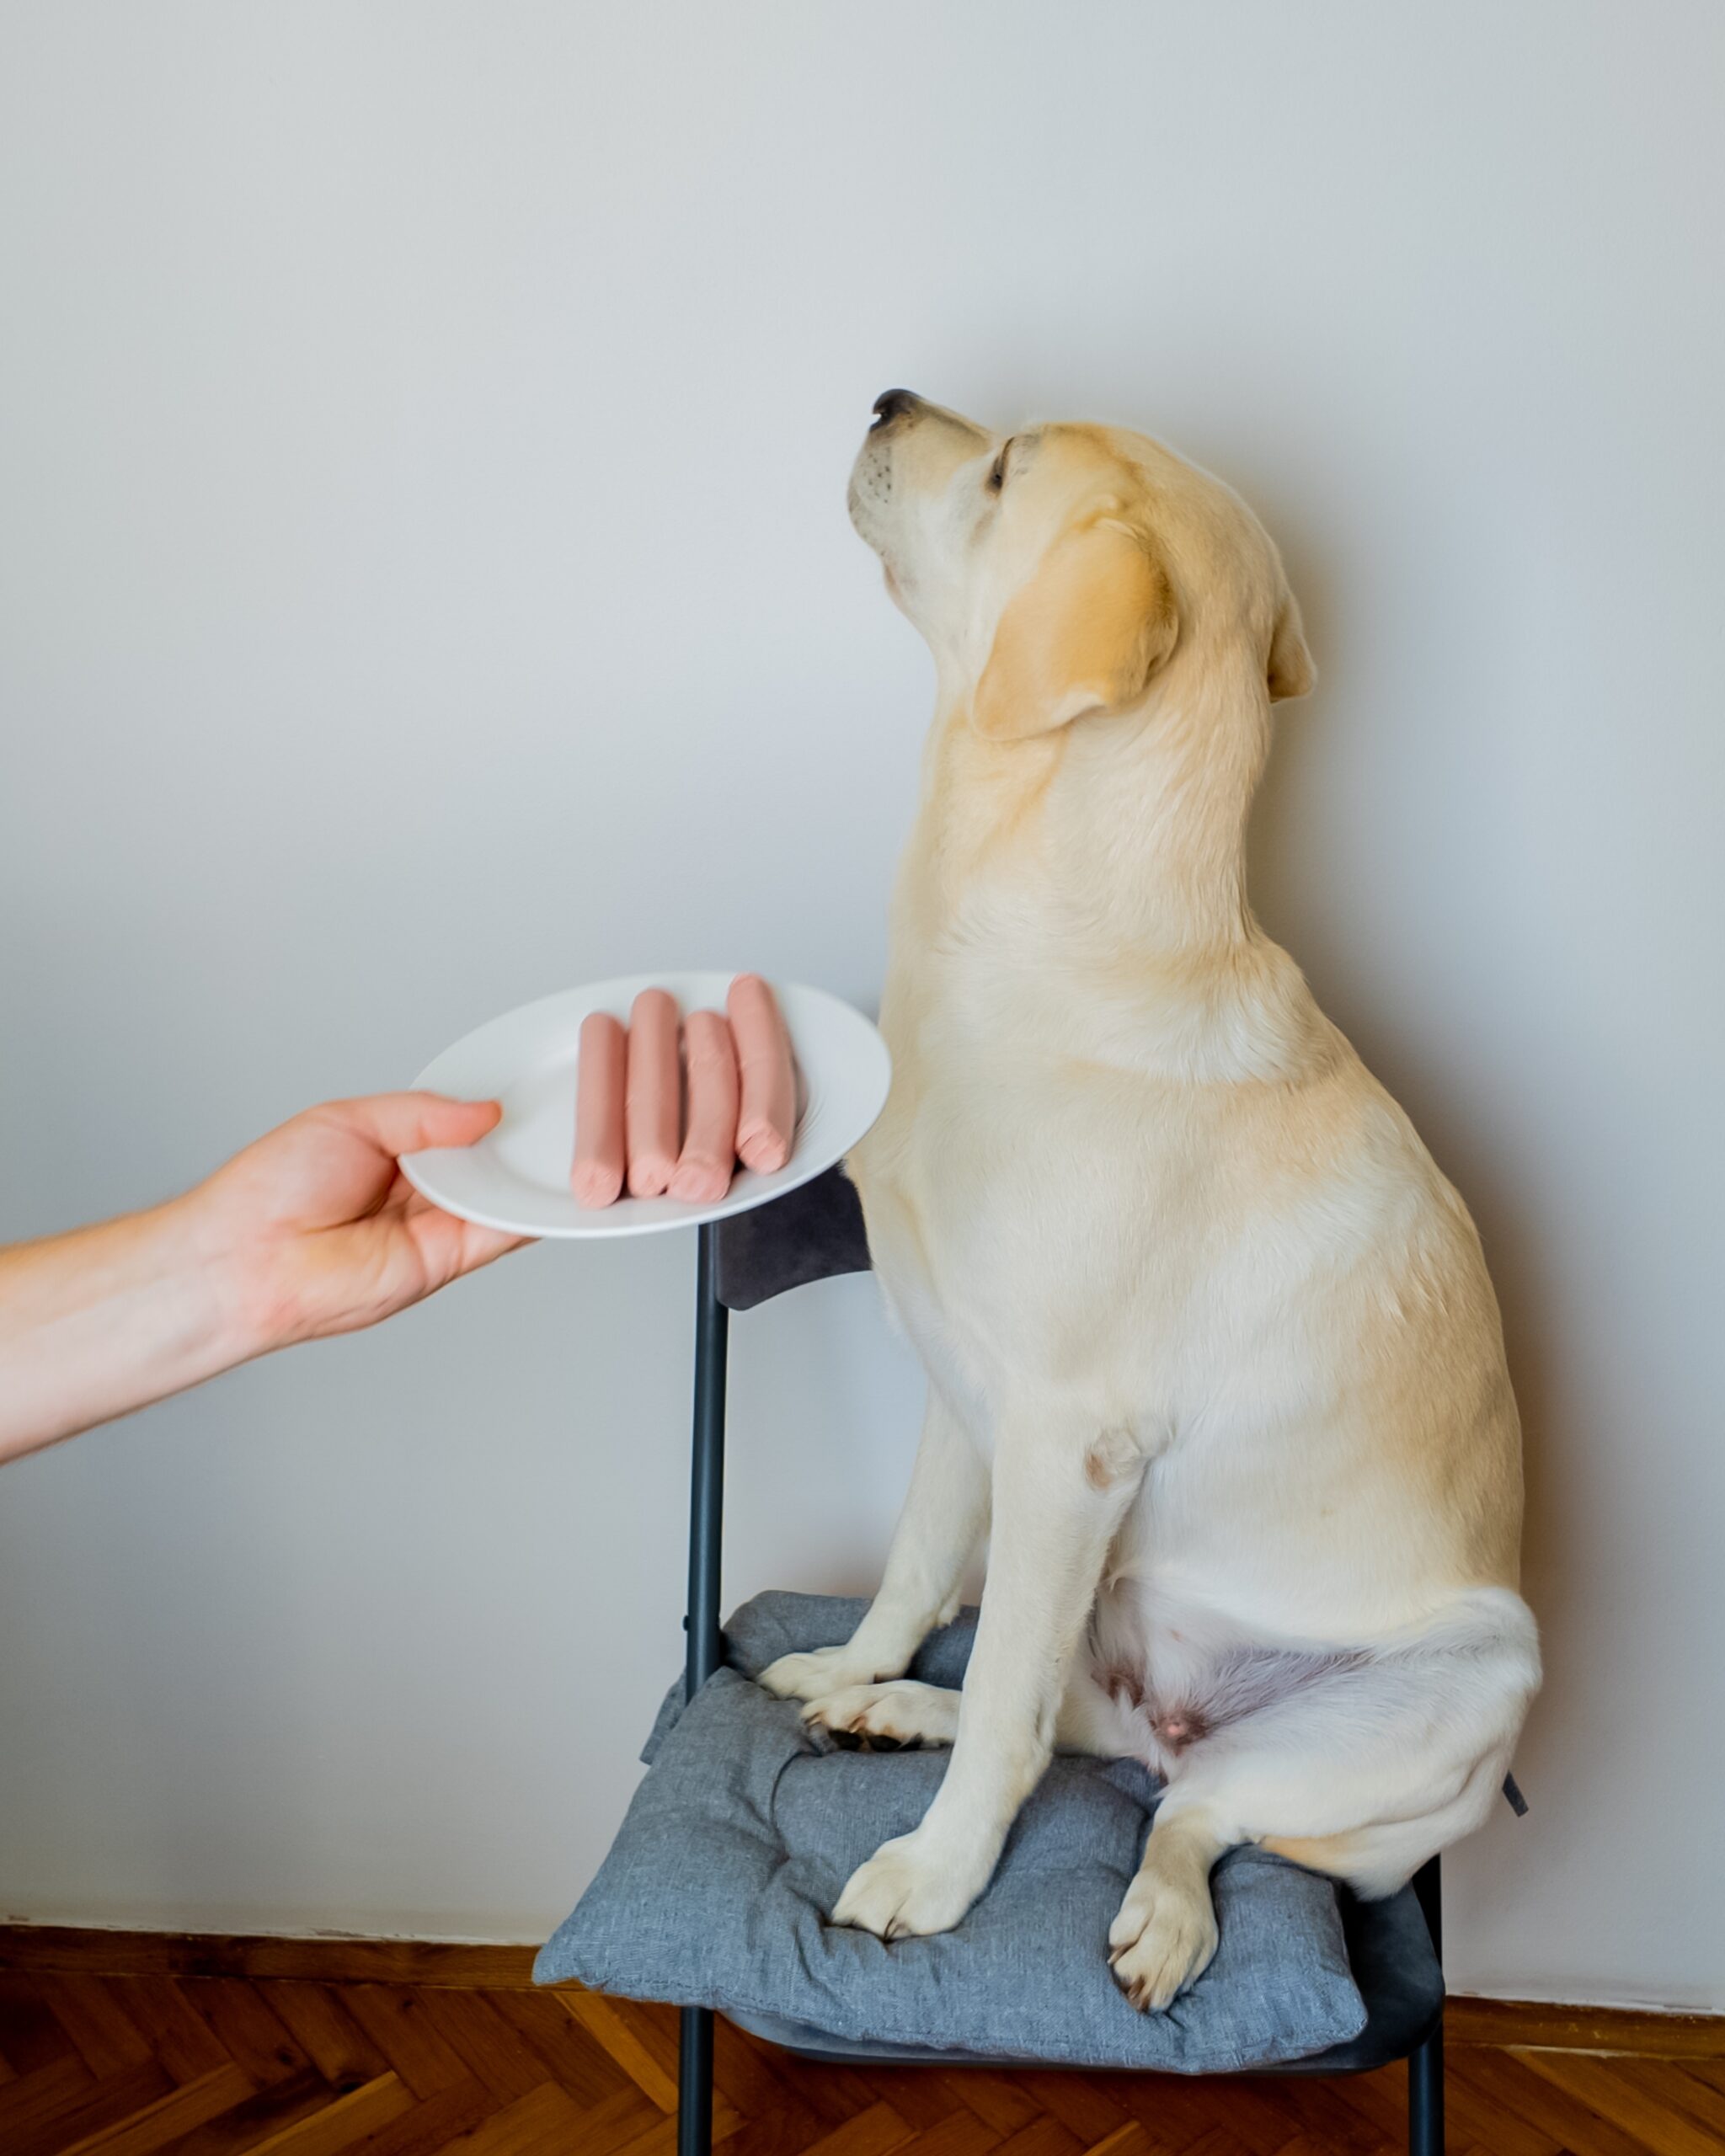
[(812, 1233)]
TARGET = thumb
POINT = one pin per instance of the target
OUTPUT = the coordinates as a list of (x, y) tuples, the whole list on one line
[(404, 1123)]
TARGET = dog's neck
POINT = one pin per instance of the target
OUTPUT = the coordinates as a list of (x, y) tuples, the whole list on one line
[(1130, 828), (1145, 830), (1108, 859)]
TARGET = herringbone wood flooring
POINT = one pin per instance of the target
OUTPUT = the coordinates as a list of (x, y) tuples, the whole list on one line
[(128, 2065)]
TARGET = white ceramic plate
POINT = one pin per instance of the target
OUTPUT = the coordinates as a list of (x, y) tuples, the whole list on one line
[(518, 1177)]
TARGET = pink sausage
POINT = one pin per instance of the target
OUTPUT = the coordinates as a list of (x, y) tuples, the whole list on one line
[(709, 1154), (597, 1177), (767, 1122), (653, 1104)]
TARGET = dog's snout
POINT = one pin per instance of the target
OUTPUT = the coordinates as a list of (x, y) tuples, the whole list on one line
[(893, 404)]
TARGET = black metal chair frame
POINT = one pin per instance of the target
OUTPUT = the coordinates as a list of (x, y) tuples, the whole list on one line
[(706, 1652)]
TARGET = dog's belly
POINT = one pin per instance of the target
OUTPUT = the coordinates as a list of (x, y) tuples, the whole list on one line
[(1175, 1673)]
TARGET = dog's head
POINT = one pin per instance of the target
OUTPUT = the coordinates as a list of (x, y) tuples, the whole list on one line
[(1068, 570)]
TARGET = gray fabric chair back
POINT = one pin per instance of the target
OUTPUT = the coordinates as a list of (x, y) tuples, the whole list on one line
[(810, 1234)]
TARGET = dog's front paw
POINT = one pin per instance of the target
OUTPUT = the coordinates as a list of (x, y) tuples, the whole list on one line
[(809, 1676), (902, 1892), (1162, 1940), (892, 1717)]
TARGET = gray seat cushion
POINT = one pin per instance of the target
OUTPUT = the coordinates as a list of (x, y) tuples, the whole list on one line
[(716, 1891)]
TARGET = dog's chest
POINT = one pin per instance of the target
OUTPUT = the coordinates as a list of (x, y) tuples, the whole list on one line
[(1010, 1199), (1043, 1213)]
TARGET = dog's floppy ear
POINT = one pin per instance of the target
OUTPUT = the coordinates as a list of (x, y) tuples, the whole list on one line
[(1086, 634), (1291, 672)]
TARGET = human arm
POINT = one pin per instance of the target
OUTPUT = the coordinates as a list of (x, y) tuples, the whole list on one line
[(311, 1230)]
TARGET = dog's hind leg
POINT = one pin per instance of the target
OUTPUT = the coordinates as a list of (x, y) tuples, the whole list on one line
[(946, 1512), (1364, 1765)]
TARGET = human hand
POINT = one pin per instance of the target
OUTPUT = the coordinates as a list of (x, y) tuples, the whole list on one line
[(314, 1229)]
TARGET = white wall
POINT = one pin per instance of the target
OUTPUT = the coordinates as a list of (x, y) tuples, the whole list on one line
[(427, 583)]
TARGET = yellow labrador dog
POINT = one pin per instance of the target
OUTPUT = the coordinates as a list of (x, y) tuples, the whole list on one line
[(1213, 1356)]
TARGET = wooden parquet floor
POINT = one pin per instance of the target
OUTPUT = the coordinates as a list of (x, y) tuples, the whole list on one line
[(96, 2065)]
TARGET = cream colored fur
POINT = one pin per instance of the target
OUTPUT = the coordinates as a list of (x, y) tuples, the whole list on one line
[(1212, 1357)]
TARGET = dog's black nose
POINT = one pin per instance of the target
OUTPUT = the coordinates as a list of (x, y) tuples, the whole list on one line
[(891, 405)]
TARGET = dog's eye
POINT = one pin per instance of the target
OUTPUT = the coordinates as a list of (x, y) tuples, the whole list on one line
[(997, 473)]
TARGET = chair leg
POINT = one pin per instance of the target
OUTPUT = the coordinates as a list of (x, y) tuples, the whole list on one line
[(1425, 2068), (1425, 2097), (694, 2082), (706, 1640)]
